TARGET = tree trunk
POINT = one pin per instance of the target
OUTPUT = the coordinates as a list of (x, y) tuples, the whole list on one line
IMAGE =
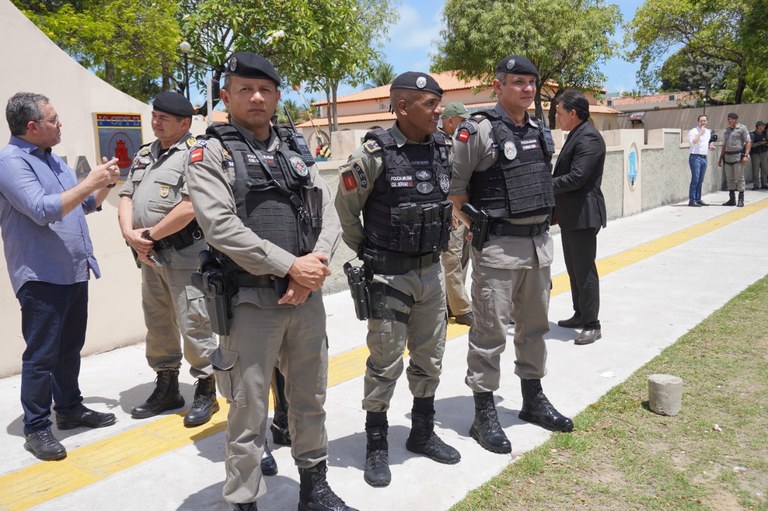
[(553, 107), (741, 84), (329, 115), (539, 110), (335, 93)]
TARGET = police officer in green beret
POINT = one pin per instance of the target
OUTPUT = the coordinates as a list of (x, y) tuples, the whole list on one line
[(269, 219), (158, 223), (399, 181), (502, 168)]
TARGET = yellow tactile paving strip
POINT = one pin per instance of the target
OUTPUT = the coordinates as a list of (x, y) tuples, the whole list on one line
[(44, 481)]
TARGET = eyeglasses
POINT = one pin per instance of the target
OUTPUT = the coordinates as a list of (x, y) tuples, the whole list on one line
[(53, 121)]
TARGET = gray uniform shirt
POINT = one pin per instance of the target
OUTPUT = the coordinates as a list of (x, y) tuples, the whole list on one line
[(477, 154), (211, 191), (734, 140)]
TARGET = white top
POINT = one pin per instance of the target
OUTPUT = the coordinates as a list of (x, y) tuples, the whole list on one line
[(703, 146)]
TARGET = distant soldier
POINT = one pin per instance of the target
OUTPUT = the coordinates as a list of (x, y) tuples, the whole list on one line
[(733, 156)]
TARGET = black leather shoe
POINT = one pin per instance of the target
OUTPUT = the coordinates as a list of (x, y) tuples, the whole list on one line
[(248, 506), (587, 336), (464, 319), (44, 446), (85, 418), (538, 410), (486, 429), (268, 463), (572, 322), (702, 203), (693, 204)]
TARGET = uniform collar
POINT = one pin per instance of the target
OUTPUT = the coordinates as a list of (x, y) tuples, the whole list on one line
[(271, 144), (506, 118), (401, 139), (180, 144)]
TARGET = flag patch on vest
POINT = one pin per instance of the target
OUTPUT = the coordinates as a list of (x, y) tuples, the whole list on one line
[(462, 135), (196, 155)]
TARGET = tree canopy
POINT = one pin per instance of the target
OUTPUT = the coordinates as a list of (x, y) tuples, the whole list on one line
[(132, 44), (712, 44), (567, 40)]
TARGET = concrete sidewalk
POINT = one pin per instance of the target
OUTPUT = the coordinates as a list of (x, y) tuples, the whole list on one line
[(662, 272)]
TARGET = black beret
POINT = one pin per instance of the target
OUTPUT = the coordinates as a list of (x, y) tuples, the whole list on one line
[(250, 65), (416, 81), (517, 65), (173, 103)]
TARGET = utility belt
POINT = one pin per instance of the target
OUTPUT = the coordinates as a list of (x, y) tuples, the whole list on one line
[(245, 279), (501, 228), (385, 262), (181, 239), (733, 152)]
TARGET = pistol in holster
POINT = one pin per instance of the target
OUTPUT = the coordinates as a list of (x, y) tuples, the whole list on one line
[(358, 286), (217, 288), (481, 224)]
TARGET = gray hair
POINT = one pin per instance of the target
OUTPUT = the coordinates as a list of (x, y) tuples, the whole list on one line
[(22, 108)]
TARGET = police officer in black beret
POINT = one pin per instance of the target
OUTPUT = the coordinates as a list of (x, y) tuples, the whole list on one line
[(502, 168), (158, 223), (399, 181), (269, 219)]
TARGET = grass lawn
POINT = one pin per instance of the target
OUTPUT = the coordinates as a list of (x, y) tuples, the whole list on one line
[(622, 456)]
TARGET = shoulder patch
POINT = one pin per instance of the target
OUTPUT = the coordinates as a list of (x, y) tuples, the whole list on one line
[(371, 146), (463, 135), (144, 150), (196, 154)]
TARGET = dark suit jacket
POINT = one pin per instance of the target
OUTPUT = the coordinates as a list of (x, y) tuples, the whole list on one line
[(579, 202)]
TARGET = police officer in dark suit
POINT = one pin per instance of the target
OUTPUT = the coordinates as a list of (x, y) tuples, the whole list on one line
[(580, 210)]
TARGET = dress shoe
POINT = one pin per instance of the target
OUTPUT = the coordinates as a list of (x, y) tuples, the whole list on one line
[(538, 410), (588, 336), (268, 463), (693, 204), (702, 203), (464, 319), (85, 418), (248, 506), (44, 446), (573, 322)]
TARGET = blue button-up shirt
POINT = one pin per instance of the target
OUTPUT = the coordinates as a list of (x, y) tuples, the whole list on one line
[(40, 244)]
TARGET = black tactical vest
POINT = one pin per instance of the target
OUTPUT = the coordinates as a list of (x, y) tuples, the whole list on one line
[(273, 192), (519, 183), (407, 210)]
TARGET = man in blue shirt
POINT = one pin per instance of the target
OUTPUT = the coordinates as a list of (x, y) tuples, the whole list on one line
[(50, 256)]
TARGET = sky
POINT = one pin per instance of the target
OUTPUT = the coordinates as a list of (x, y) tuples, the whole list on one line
[(412, 42)]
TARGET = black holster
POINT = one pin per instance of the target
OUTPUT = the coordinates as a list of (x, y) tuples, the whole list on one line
[(358, 286), (481, 223), (217, 288)]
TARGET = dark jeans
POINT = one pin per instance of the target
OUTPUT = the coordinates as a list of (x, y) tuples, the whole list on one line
[(53, 321), (698, 164), (580, 251)]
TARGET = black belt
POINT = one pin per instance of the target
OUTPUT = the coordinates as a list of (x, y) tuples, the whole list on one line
[(500, 228), (395, 263), (183, 238), (249, 280), (733, 152)]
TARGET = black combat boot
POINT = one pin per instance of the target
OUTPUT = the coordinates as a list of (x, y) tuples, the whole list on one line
[(268, 463), (731, 199), (165, 397), (248, 506), (538, 409), (280, 433), (740, 204), (314, 492), (377, 472), (486, 428), (423, 440), (205, 404)]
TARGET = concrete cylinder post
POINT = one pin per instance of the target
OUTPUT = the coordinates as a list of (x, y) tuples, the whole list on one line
[(665, 394)]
